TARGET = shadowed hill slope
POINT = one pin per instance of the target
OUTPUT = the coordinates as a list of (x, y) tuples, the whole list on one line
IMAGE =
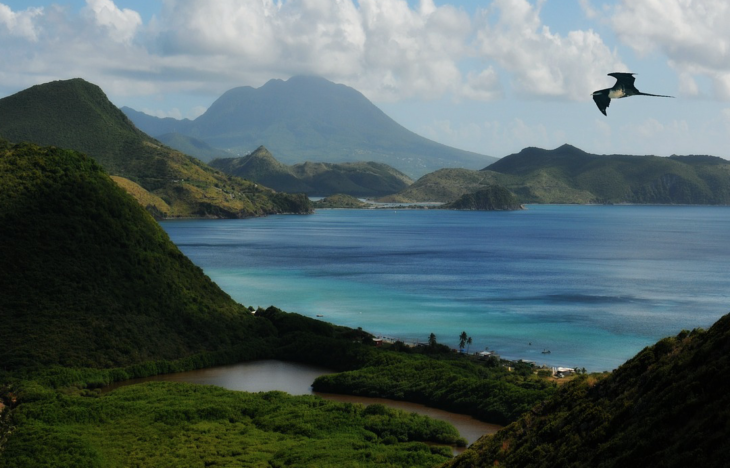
[(669, 406), (90, 279), (77, 115)]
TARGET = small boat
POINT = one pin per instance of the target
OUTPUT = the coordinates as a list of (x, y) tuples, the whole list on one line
[(545, 351), (320, 315)]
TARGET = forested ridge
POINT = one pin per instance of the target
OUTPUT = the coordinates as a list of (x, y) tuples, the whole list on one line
[(76, 114)]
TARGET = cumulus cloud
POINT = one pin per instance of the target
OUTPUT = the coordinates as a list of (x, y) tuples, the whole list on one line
[(543, 63), (385, 48), (694, 36), (121, 24), (21, 23), (388, 49)]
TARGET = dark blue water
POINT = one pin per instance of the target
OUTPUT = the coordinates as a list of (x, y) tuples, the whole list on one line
[(593, 284)]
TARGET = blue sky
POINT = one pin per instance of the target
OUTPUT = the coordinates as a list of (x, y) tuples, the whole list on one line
[(490, 76)]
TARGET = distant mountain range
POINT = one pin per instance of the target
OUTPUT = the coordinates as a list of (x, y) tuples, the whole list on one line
[(77, 115), (308, 118), (360, 179), (570, 175)]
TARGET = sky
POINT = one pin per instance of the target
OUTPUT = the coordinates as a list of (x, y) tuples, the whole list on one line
[(489, 76)]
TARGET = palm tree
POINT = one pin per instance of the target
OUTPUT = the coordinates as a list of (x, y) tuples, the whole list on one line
[(432, 340), (468, 343), (462, 340)]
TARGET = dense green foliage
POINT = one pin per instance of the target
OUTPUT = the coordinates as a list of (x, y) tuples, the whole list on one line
[(362, 179), (90, 279), (492, 198), (311, 119), (484, 390), (569, 175), (173, 425), (340, 201), (77, 115), (669, 406)]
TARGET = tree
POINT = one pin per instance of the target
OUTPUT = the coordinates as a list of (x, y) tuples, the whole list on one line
[(468, 343), (432, 340), (462, 340)]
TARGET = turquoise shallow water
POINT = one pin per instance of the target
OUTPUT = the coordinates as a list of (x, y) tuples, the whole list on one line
[(593, 284)]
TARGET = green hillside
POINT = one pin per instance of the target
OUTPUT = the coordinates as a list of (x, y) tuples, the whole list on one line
[(567, 172), (669, 406), (261, 167), (444, 186), (307, 118), (69, 238), (493, 198), (192, 146), (340, 201), (360, 179), (77, 115), (569, 175)]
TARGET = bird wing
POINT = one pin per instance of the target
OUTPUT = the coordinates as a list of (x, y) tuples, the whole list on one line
[(602, 101), (627, 78)]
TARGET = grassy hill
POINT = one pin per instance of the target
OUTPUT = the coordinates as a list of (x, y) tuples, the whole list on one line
[(308, 118), (77, 115), (360, 179), (91, 280), (569, 175), (668, 406), (547, 175)]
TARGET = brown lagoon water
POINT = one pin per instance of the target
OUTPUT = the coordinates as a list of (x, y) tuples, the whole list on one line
[(296, 379)]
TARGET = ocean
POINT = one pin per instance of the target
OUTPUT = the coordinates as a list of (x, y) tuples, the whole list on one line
[(592, 285)]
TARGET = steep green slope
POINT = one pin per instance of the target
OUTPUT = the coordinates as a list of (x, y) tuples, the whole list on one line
[(669, 406), (90, 279), (360, 179), (261, 167), (308, 118), (77, 115)]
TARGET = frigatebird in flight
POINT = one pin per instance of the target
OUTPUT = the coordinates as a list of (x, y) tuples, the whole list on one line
[(624, 87)]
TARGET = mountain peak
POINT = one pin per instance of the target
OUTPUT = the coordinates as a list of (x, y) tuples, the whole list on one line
[(311, 118)]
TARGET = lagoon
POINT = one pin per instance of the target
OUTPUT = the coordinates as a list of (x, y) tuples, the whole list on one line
[(296, 379), (592, 284)]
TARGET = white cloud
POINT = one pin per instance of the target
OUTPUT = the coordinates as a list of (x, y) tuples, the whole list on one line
[(693, 35), (588, 9), (387, 49), (483, 86), (20, 24), (543, 63), (122, 25)]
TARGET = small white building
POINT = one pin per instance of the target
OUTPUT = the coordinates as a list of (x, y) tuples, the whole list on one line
[(563, 371)]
